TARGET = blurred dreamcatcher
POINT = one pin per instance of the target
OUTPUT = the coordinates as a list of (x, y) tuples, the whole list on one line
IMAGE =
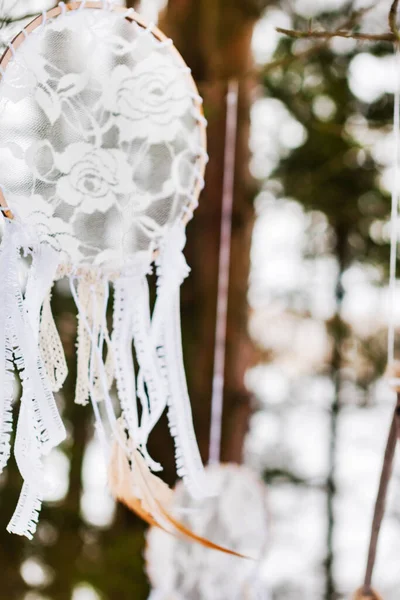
[(237, 519)]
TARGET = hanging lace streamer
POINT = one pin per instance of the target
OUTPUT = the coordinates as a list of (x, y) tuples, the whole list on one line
[(51, 348), (39, 424), (104, 167)]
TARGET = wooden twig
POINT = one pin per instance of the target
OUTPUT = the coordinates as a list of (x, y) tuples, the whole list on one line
[(326, 35), (389, 36), (380, 504)]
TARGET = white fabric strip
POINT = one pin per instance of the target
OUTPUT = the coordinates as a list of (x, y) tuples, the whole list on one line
[(51, 348), (6, 365), (172, 270), (39, 425), (123, 356), (102, 374), (87, 331)]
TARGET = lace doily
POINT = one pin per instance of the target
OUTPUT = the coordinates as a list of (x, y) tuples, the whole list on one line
[(101, 134)]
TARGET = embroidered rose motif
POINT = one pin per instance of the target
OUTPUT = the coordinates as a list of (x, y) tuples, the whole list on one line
[(119, 162), (150, 101), (93, 177)]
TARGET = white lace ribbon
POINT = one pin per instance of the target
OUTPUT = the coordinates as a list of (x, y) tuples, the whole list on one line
[(166, 334), (123, 356), (28, 458), (151, 388), (51, 349), (6, 366), (39, 425)]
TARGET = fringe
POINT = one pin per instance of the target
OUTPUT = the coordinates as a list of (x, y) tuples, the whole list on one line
[(6, 372), (187, 456), (91, 300), (94, 314), (28, 457), (161, 380), (7, 393), (26, 515), (26, 323)]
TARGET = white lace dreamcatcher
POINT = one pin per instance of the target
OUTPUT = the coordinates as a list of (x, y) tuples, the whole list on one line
[(102, 156)]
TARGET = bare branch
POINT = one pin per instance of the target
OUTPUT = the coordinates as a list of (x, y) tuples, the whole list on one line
[(392, 19), (345, 30), (326, 35)]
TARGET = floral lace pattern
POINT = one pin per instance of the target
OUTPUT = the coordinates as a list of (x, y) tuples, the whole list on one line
[(101, 155), (105, 136)]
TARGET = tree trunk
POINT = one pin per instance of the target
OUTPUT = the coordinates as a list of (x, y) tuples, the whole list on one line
[(338, 336)]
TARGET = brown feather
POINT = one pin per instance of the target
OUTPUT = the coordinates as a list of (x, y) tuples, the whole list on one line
[(200, 540), (148, 496), (120, 486)]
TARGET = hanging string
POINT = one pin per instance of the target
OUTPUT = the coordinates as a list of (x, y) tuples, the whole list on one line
[(394, 432), (217, 398)]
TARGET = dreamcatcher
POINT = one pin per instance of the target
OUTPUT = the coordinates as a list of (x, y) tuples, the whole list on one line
[(102, 156), (237, 519)]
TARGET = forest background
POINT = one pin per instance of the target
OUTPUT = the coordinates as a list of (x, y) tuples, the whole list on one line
[(305, 401)]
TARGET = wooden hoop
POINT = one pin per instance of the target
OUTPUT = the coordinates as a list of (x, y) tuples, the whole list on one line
[(133, 18)]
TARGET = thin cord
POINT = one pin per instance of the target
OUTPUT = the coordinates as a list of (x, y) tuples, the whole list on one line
[(217, 400), (394, 217), (380, 503)]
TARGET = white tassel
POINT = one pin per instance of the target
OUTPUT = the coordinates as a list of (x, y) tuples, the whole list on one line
[(172, 270), (93, 368), (95, 315), (39, 425), (51, 348), (26, 326), (123, 358), (83, 353), (28, 457), (155, 400), (6, 366), (6, 394)]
